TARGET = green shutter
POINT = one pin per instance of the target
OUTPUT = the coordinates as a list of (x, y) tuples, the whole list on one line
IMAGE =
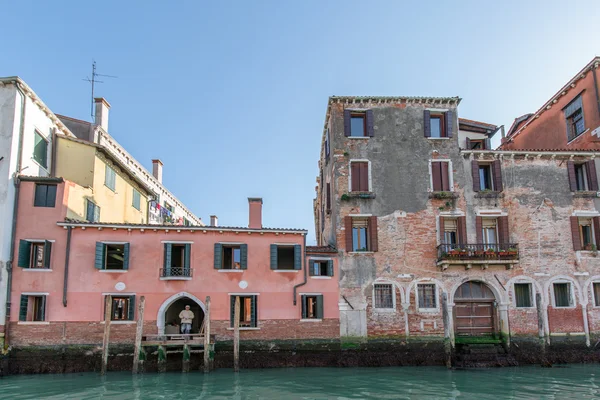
[(167, 260), (329, 267), (24, 254), (297, 256), (303, 300), (273, 256), (232, 313), (319, 306), (96, 213), (126, 256), (23, 308), (187, 256), (131, 311), (312, 268), (244, 256), (47, 252), (253, 312), (218, 256), (43, 308), (100, 252)]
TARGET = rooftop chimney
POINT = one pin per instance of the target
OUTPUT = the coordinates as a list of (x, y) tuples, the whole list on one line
[(255, 204), (102, 108), (214, 221), (157, 169)]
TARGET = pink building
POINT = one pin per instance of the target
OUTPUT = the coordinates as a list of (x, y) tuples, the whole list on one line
[(66, 268)]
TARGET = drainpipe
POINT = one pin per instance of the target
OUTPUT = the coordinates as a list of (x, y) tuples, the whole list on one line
[(594, 67), (68, 252), (14, 218), (305, 268)]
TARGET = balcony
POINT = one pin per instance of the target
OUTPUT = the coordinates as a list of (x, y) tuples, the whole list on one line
[(176, 274), (484, 255)]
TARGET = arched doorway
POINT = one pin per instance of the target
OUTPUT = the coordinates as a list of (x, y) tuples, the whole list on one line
[(474, 310), (168, 321)]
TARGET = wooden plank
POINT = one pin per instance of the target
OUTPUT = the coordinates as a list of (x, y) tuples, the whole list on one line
[(138, 334), (207, 336), (106, 337), (236, 335)]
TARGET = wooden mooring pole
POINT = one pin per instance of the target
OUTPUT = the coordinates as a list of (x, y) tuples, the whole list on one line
[(106, 338), (138, 336), (207, 336), (236, 335)]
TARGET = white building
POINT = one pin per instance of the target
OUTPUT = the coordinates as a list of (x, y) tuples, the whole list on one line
[(27, 129)]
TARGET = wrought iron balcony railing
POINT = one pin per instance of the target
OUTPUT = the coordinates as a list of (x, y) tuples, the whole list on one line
[(176, 272), (479, 251)]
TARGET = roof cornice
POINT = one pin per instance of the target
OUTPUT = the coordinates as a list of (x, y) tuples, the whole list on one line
[(531, 153)]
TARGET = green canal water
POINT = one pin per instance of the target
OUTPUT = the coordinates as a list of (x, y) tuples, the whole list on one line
[(568, 382)]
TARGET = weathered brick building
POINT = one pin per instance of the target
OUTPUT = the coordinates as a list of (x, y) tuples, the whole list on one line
[(441, 240)]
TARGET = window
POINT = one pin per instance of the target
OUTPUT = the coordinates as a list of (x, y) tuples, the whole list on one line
[(327, 145), (40, 150), (32, 308), (361, 233), (427, 295), (186, 222), (122, 308), (110, 178), (248, 310), (286, 257), (574, 118), (383, 296), (440, 176), (586, 233), (328, 197), (45, 195), (438, 124), (490, 231), (312, 306), (176, 262), (596, 288), (450, 230), (169, 207), (92, 211), (478, 144), (582, 176), (358, 124), (112, 256), (562, 295), (231, 256), (136, 203), (523, 295), (321, 267), (34, 255), (485, 177), (359, 176)]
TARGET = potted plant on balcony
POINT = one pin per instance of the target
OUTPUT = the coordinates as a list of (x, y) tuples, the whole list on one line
[(478, 253), (490, 253), (502, 253), (454, 253), (512, 251)]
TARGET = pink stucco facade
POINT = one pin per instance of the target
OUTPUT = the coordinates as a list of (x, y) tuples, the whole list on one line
[(279, 314)]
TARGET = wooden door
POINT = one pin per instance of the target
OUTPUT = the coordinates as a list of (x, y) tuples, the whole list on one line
[(474, 318)]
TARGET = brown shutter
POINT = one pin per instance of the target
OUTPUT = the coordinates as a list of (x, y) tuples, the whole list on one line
[(346, 122), (449, 123), (364, 177), (487, 144), (497, 168), (591, 175), (328, 197), (445, 176), (479, 229), (468, 144), (442, 231), (348, 223), (572, 177), (503, 234), (373, 245), (427, 123), (436, 176), (575, 233), (355, 176), (461, 226), (597, 231), (475, 173), (370, 129)]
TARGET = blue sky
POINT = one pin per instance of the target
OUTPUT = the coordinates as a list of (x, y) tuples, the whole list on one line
[(231, 96)]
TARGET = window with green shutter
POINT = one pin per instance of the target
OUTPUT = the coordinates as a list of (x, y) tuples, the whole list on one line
[(32, 308), (312, 306), (248, 311), (321, 267), (112, 256), (34, 255), (137, 200), (286, 257), (122, 308), (45, 195), (110, 178), (231, 256), (177, 261), (92, 211), (40, 150)]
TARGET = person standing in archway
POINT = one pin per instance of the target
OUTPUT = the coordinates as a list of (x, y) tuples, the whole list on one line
[(186, 317)]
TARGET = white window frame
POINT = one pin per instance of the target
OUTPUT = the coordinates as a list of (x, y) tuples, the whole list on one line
[(437, 297), (319, 259), (450, 171), (571, 292), (531, 295), (350, 173), (384, 310)]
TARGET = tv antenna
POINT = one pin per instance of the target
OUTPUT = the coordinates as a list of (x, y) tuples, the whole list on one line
[(93, 81)]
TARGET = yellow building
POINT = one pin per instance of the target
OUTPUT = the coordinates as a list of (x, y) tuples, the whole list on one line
[(105, 190)]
